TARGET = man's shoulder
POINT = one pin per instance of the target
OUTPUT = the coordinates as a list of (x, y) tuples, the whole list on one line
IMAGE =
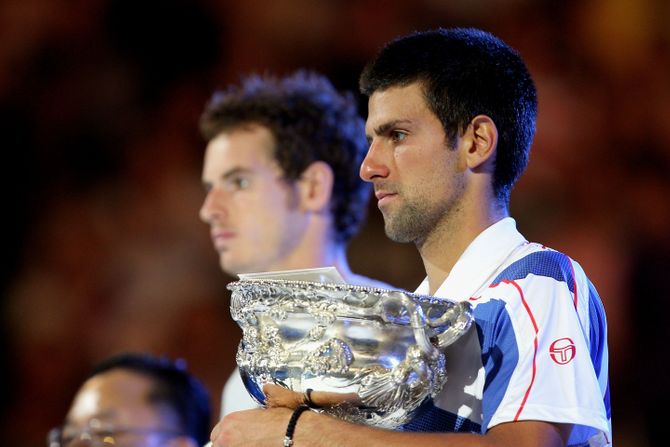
[(536, 260)]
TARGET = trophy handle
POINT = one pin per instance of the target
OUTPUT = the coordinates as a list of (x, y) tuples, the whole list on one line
[(457, 320), (394, 301), (453, 322)]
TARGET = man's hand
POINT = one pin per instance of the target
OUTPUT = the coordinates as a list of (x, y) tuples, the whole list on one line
[(278, 396), (259, 427)]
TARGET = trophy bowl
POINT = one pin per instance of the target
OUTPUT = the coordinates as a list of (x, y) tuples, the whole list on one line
[(374, 355)]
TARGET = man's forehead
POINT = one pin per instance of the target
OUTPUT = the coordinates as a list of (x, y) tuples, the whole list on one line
[(252, 133), (243, 147), (111, 394), (394, 104)]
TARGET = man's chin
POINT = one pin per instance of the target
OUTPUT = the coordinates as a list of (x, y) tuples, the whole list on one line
[(229, 267), (232, 268), (398, 234)]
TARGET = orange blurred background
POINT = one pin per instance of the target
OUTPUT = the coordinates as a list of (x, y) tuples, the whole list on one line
[(99, 103)]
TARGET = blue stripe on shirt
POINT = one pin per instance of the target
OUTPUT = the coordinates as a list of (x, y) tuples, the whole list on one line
[(499, 357), (500, 353), (549, 263)]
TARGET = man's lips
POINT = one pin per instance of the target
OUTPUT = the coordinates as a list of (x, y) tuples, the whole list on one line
[(220, 238), (384, 197)]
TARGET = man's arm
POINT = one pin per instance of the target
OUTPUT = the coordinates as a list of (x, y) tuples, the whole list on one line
[(266, 427)]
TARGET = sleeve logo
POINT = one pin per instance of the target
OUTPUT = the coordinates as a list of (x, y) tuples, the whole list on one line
[(562, 351)]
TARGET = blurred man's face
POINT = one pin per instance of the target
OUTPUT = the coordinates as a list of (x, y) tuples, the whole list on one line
[(253, 212), (112, 407)]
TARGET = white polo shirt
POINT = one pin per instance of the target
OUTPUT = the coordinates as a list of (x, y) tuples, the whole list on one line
[(537, 349)]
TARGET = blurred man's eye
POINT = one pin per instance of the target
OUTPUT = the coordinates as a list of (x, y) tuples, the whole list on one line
[(237, 183)]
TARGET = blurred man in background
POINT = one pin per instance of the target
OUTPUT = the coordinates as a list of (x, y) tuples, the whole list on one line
[(137, 400), (281, 174)]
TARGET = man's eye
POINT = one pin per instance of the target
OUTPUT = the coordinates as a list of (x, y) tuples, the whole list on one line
[(398, 136), (237, 183)]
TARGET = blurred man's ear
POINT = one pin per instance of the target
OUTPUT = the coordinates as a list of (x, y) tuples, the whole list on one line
[(316, 187)]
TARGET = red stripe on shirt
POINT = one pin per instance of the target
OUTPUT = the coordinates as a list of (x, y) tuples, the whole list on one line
[(532, 319)]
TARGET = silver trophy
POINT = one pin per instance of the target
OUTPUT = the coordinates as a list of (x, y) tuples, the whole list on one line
[(373, 355)]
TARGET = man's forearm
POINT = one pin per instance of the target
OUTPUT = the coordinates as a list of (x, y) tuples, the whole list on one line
[(318, 430)]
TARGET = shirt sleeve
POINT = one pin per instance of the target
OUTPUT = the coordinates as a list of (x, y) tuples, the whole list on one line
[(537, 348)]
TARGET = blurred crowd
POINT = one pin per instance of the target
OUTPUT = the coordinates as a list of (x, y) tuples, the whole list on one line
[(99, 107)]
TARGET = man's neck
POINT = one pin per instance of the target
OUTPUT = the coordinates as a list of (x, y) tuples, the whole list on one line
[(329, 255), (444, 246), (315, 255)]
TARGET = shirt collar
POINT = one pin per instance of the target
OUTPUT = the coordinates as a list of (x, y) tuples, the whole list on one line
[(479, 261)]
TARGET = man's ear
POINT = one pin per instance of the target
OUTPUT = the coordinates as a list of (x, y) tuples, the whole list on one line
[(316, 186), (483, 135)]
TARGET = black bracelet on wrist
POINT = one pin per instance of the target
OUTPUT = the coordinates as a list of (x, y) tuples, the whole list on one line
[(288, 439), (308, 399)]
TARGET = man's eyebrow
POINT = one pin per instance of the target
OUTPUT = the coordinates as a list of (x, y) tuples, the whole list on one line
[(227, 175), (384, 128), (235, 171)]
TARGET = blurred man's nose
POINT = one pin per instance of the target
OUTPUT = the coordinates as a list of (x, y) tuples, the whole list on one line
[(213, 206)]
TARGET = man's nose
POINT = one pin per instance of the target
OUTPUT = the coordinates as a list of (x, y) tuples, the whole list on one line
[(373, 164), (213, 207)]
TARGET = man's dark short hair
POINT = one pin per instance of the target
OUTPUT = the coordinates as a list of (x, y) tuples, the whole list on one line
[(465, 72), (310, 121), (173, 386)]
